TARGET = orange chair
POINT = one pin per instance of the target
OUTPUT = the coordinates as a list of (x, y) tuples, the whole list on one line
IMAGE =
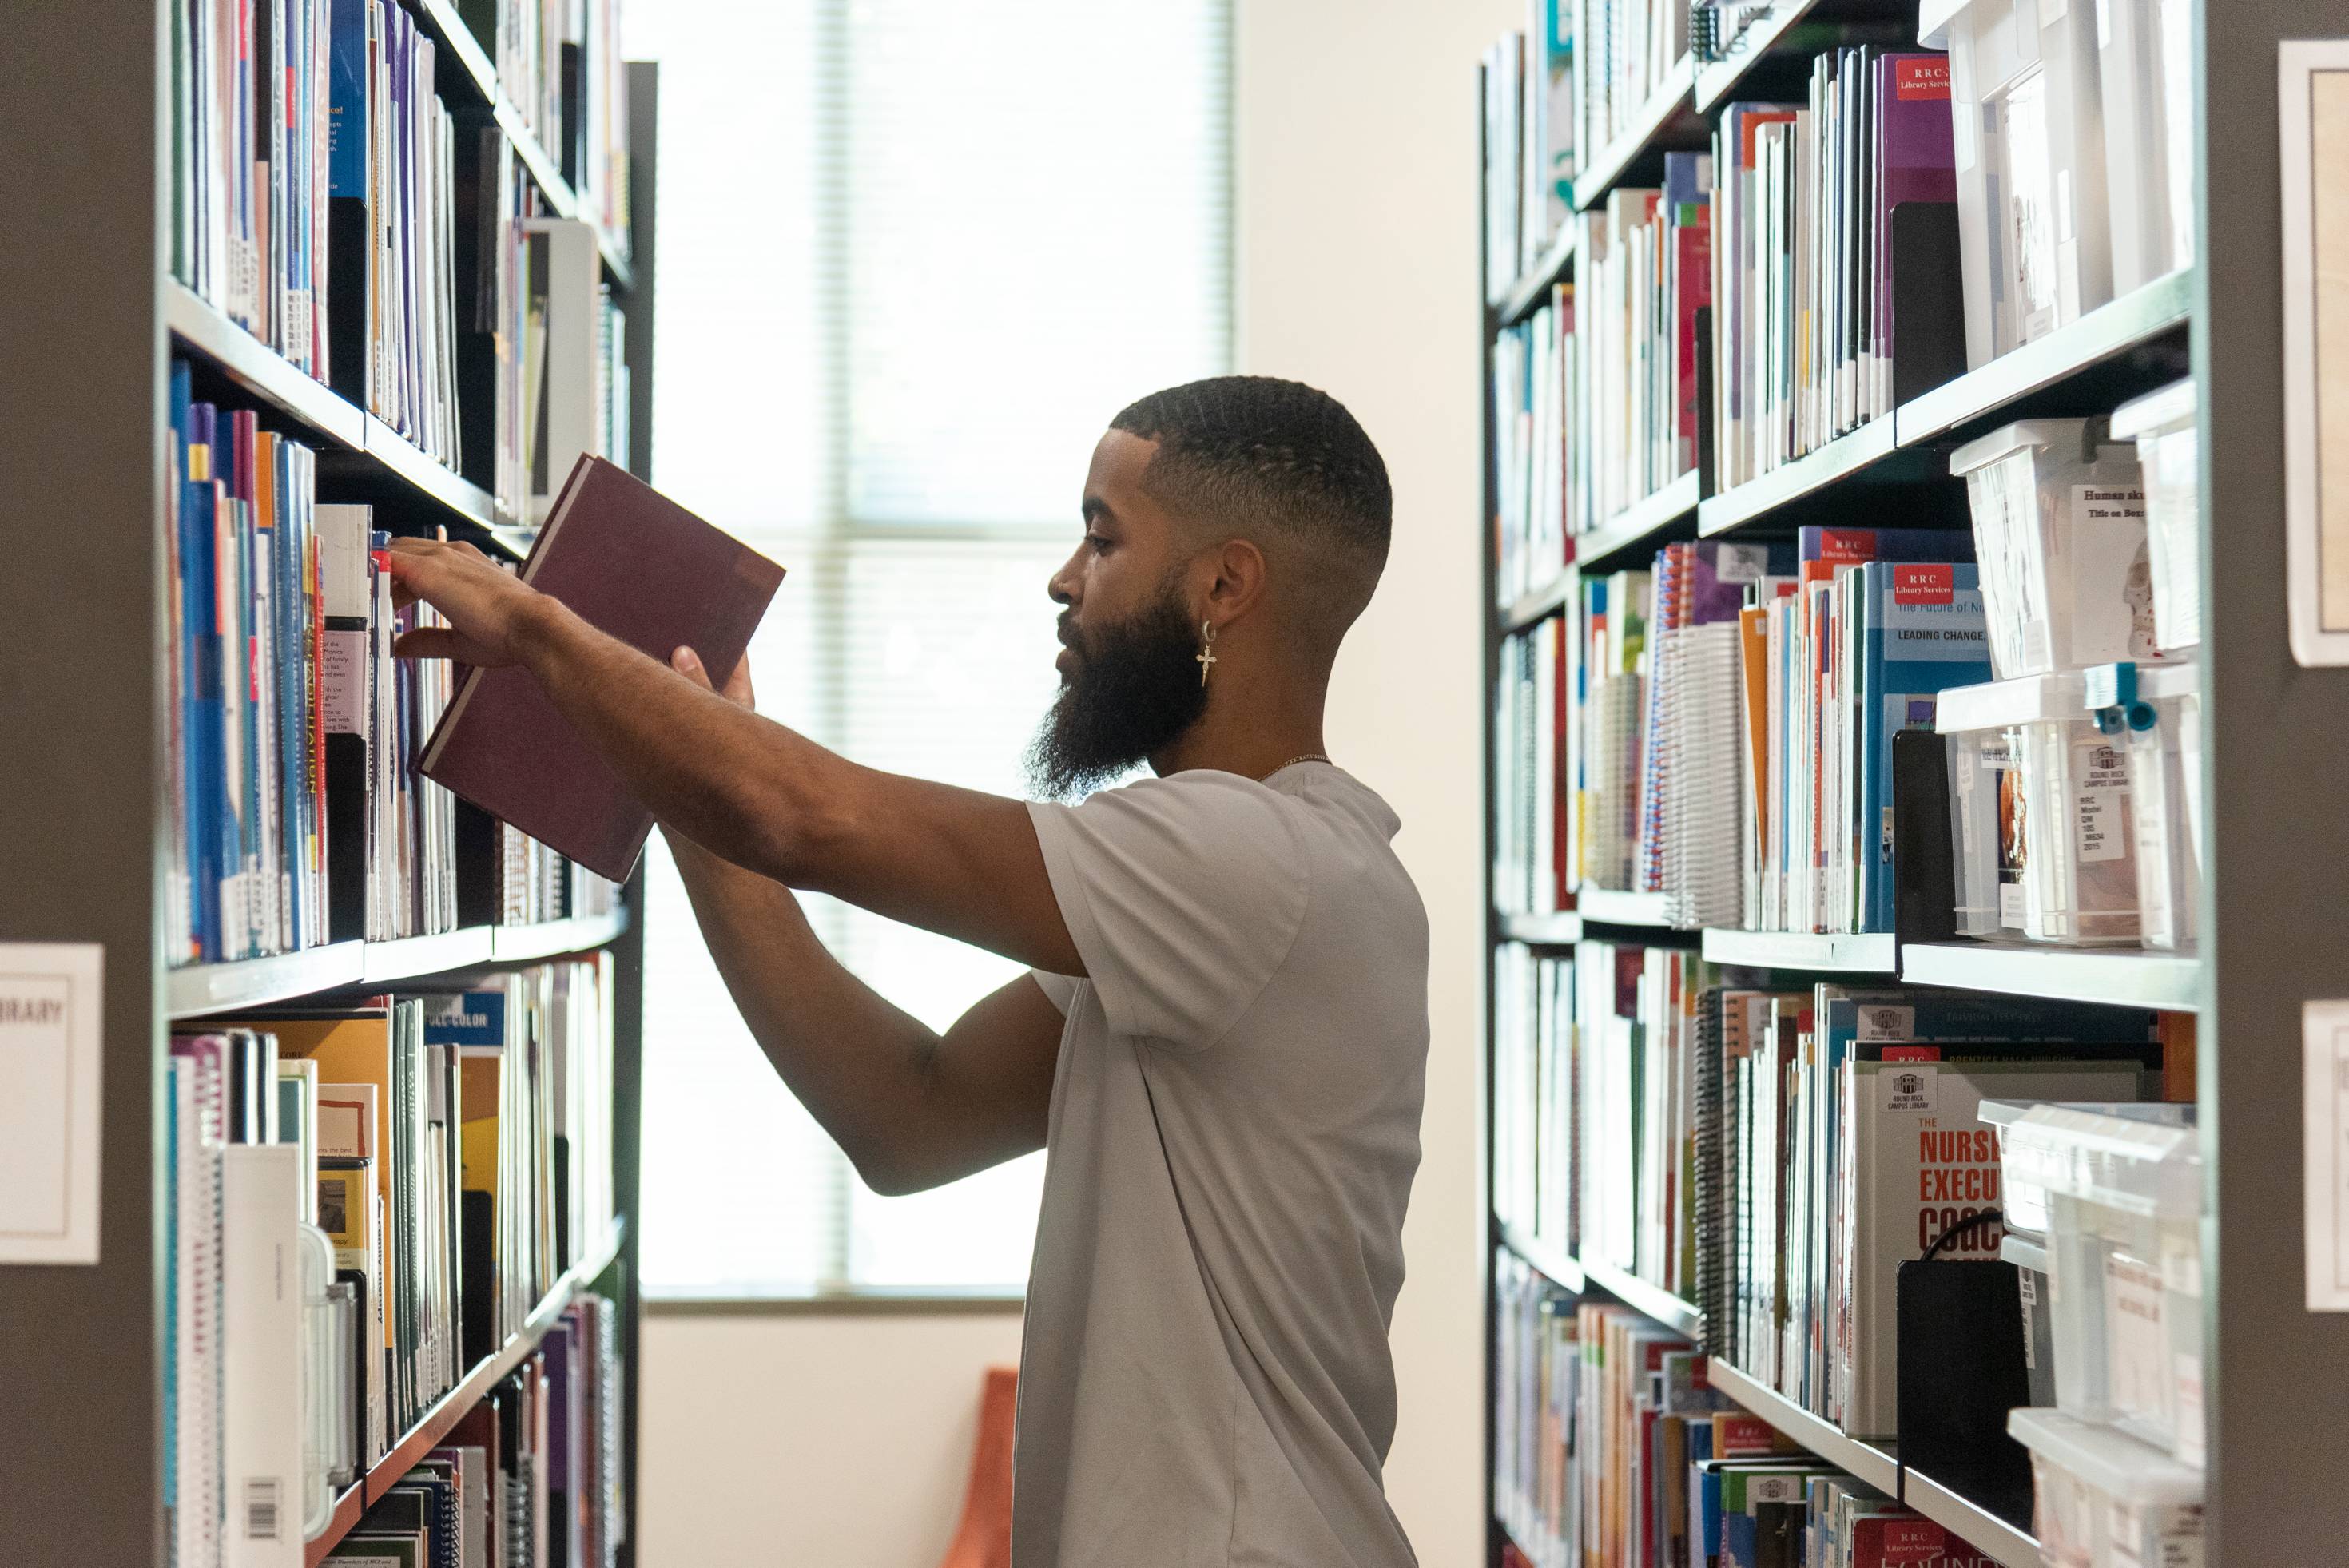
[(983, 1538)]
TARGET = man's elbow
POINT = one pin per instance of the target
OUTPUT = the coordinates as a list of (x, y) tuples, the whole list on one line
[(890, 1173)]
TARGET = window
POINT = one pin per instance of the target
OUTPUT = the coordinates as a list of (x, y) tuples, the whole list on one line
[(913, 257)]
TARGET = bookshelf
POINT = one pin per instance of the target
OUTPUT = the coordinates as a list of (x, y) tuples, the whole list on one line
[(94, 320), (2272, 926)]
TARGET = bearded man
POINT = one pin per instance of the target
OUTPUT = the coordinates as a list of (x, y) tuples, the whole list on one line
[(1223, 1041)]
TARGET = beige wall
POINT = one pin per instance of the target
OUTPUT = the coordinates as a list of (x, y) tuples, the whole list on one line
[(797, 1440), (1356, 161)]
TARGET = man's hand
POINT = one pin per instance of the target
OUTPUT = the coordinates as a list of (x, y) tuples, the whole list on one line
[(490, 611), (688, 663)]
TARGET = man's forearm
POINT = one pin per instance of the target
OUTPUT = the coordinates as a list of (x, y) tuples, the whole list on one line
[(747, 790)]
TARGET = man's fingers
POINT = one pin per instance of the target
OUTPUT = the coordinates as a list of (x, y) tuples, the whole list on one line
[(437, 642), (688, 663)]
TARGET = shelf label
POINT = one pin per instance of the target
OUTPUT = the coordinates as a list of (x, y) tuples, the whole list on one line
[(52, 1004)]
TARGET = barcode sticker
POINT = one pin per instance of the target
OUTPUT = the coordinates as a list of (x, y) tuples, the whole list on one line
[(261, 1508)]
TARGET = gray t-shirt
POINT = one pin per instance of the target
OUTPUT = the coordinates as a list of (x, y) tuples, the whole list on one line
[(1204, 1378)]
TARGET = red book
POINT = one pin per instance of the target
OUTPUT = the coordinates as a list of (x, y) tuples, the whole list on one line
[(633, 563)]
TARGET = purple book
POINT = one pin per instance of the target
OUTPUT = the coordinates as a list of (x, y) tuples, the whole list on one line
[(1915, 162)]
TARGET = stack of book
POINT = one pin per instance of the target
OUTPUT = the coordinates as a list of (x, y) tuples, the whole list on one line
[(529, 1475), (1803, 322), (1636, 1040), (1644, 270), (1625, 50), (1530, 871), (251, 114), (1606, 690), (1534, 1180), (1529, 146), (297, 814), (393, 195), (445, 1160), (1536, 464)]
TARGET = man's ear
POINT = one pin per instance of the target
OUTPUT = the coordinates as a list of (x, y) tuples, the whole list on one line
[(1238, 582)]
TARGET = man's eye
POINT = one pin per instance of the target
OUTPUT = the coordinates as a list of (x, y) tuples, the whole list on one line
[(1101, 545)]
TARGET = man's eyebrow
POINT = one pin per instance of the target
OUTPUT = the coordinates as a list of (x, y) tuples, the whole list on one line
[(1096, 510)]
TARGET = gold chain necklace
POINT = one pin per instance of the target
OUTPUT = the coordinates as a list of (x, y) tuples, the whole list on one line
[(1308, 757)]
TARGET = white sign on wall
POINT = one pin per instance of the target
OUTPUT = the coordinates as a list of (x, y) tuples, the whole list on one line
[(52, 1005)]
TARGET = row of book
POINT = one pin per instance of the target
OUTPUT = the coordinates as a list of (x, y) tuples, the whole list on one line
[(363, 1203), (558, 62), (1529, 129), (530, 1475), (1535, 467), (1774, 1156), (1625, 51), (1612, 1449), (328, 200), (252, 126), (1530, 834), (297, 815), (1804, 259), (1643, 272)]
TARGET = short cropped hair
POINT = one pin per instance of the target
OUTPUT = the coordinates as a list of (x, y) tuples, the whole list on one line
[(1256, 451)]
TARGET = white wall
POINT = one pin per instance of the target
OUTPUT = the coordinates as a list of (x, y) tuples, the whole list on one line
[(1356, 271), (800, 1440), (1356, 169)]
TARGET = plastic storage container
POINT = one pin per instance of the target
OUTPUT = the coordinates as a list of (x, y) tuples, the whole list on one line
[(2158, 709), (2040, 814), (2035, 233), (2169, 457), (2123, 1187), (2101, 1501), (2145, 76), (2059, 524)]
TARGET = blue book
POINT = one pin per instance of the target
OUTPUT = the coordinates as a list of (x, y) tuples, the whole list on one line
[(347, 101), (209, 817), (1922, 631)]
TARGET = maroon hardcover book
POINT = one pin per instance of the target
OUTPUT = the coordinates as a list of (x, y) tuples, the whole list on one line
[(632, 563)]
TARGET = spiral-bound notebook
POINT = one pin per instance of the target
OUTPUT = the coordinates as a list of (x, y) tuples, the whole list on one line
[(631, 563)]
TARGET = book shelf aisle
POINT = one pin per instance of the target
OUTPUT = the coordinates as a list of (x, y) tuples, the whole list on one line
[(1852, 799), (368, 1105)]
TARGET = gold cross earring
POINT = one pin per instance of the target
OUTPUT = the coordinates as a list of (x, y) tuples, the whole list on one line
[(1206, 656)]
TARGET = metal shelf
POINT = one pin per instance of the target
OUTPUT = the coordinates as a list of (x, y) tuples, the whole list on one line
[(1653, 1300), (199, 989), (1743, 505), (2121, 977), (1544, 602), (1543, 930), (452, 1406), (1876, 1465), (1556, 1264), (1665, 120), (260, 369), (1531, 291), (1606, 906), (1851, 952), (1719, 81), (428, 474), (436, 954), (1983, 1531), (2047, 365), (1652, 521)]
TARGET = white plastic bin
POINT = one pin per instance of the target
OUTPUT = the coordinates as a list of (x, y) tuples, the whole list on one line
[(2164, 728), (2041, 814), (2059, 522), (2035, 232), (2123, 1187), (2169, 457), (2148, 104), (2104, 1501)]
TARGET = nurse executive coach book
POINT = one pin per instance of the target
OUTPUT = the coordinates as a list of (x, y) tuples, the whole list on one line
[(631, 563)]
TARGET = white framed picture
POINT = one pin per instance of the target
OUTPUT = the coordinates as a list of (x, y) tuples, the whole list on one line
[(2314, 100)]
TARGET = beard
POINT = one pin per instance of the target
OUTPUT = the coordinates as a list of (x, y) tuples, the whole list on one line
[(1135, 690)]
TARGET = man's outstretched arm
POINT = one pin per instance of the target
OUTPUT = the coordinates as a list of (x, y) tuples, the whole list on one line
[(957, 862)]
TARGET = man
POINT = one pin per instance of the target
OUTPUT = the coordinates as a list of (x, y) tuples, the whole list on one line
[(1224, 1040)]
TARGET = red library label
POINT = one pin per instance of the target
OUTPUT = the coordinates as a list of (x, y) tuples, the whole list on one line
[(1924, 583), (1912, 1053), (1743, 1436), (1906, 1541), (1921, 78), (1846, 544)]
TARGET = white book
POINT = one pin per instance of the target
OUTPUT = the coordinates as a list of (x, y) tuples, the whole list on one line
[(572, 333), (261, 1356)]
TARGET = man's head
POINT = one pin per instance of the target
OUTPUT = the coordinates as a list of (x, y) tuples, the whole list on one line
[(1252, 506)]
